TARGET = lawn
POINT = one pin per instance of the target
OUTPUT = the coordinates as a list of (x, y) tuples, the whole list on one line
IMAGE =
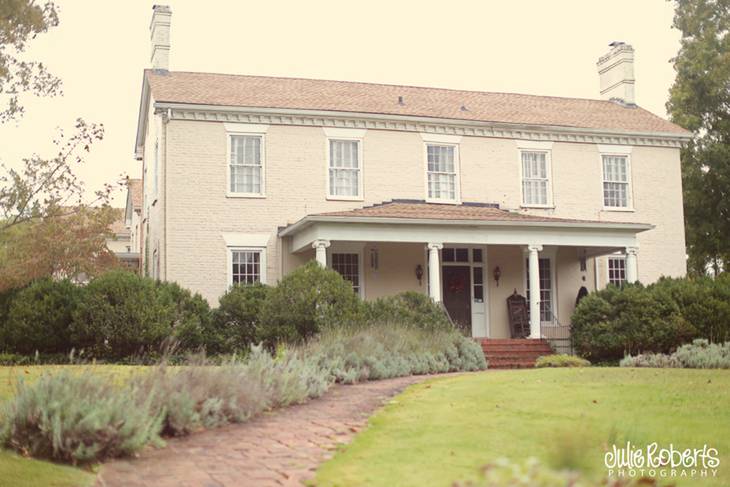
[(17, 471), (443, 430)]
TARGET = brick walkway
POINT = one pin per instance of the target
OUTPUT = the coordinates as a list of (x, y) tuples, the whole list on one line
[(279, 448)]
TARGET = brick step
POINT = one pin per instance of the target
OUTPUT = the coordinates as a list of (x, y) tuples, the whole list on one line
[(497, 348), (511, 364), (513, 340)]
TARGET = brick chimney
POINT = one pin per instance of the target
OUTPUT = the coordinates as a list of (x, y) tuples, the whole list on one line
[(616, 73), (160, 37)]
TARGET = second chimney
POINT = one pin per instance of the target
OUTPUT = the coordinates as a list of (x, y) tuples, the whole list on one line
[(616, 73), (160, 37)]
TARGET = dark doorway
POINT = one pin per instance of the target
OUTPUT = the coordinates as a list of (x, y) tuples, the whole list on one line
[(457, 295)]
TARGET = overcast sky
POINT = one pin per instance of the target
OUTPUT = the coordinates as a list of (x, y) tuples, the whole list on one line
[(538, 47)]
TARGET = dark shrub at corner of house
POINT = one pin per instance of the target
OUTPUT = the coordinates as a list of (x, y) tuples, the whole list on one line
[(236, 321), (38, 317), (614, 322), (409, 308), (121, 315), (306, 300)]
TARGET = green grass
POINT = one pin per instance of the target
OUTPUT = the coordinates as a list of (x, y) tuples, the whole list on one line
[(445, 429), (17, 471)]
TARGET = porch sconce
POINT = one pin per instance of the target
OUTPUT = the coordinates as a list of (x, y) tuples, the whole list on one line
[(374, 264), (419, 273), (497, 274)]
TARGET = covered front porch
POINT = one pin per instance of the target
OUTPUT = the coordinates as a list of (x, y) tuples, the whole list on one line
[(471, 258)]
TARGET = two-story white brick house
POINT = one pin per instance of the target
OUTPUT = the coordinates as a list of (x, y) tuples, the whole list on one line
[(466, 196)]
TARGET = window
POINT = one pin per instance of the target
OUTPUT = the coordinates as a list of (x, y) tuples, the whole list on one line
[(616, 270), (344, 169), (157, 166), (441, 172), (246, 266), (477, 255), (348, 265), (450, 254), (535, 178), (615, 181), (246, 165), (546, 289), (478, 284)]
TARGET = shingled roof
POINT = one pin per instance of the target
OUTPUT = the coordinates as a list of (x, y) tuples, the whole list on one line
[(371, 98), (479, 213)]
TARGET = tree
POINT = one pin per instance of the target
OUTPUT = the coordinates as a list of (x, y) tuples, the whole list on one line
[(21, 21), (700, 101)]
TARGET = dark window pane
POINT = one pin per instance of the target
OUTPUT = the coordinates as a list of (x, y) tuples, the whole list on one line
[(478, 293), (477, 254), (478, 278), (448, 255), (462, 255)]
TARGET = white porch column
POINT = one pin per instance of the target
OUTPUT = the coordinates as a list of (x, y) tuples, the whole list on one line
[(632, 272), (434, 271), (534, 263), (320, 251)]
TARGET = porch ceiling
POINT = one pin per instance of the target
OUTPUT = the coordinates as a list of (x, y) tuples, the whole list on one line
[(400, 221)]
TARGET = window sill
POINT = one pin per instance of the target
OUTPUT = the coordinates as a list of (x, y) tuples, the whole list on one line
[(443, 202), (245, 195), (344, 198), (538, 207), (618, 209)]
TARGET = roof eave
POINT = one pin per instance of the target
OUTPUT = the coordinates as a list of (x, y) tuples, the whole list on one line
[(309, 220), (144, 102), (164, 105)]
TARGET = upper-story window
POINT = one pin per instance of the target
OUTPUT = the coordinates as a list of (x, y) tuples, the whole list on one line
[(616, 181), (345, 169), (536, 190), (442, 172), (246, 164), (156, 167)]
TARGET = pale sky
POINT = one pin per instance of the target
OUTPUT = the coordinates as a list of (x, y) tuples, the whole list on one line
[(529, 46)]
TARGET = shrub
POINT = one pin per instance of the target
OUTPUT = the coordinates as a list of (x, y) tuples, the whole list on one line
[(78, 417), (305, 301), (380, 351), (532, 473), (700, 354), (613, 322), (236, 321), (407, 309), (121, 314), (561, 360), (39, 317), (199, 396)]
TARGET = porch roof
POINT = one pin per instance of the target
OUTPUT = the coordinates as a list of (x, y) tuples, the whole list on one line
[(418, 221)]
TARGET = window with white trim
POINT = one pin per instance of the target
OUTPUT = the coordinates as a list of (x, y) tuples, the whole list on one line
[(344, 168), (348, 266), (617, 270), (246, 266), (616, 191), (535, 178), (441, 172), (157, 167), (246, 164)]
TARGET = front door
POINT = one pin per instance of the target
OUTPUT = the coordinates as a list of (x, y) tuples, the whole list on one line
[(457, 295)]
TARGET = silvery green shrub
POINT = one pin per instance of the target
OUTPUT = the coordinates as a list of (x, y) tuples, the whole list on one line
[(700, 354), (78, 416)]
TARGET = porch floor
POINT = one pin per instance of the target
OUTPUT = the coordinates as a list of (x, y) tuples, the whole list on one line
[(514, 353)]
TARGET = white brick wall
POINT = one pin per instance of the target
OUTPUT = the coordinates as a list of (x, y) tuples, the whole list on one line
[(198, 210)]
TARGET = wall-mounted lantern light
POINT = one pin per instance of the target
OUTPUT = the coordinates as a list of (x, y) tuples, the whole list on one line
[(497, 274), (374, 259), (419, 273)]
